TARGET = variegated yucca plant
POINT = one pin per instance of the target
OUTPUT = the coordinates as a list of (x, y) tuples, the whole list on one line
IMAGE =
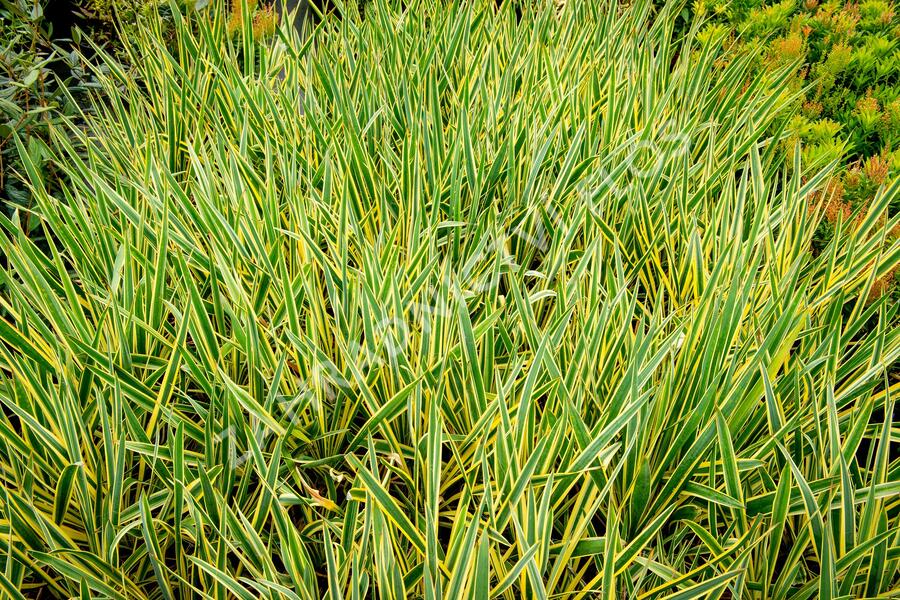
[(441, 301)]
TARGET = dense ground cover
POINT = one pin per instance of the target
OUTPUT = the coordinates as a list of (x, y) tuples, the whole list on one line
[(508, 306)]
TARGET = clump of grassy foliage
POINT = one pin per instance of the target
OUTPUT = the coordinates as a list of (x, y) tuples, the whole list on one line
[(462, 305)]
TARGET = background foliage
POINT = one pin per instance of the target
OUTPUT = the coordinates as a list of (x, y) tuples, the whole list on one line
[(847, 68), (45, 78), (29, 95)]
